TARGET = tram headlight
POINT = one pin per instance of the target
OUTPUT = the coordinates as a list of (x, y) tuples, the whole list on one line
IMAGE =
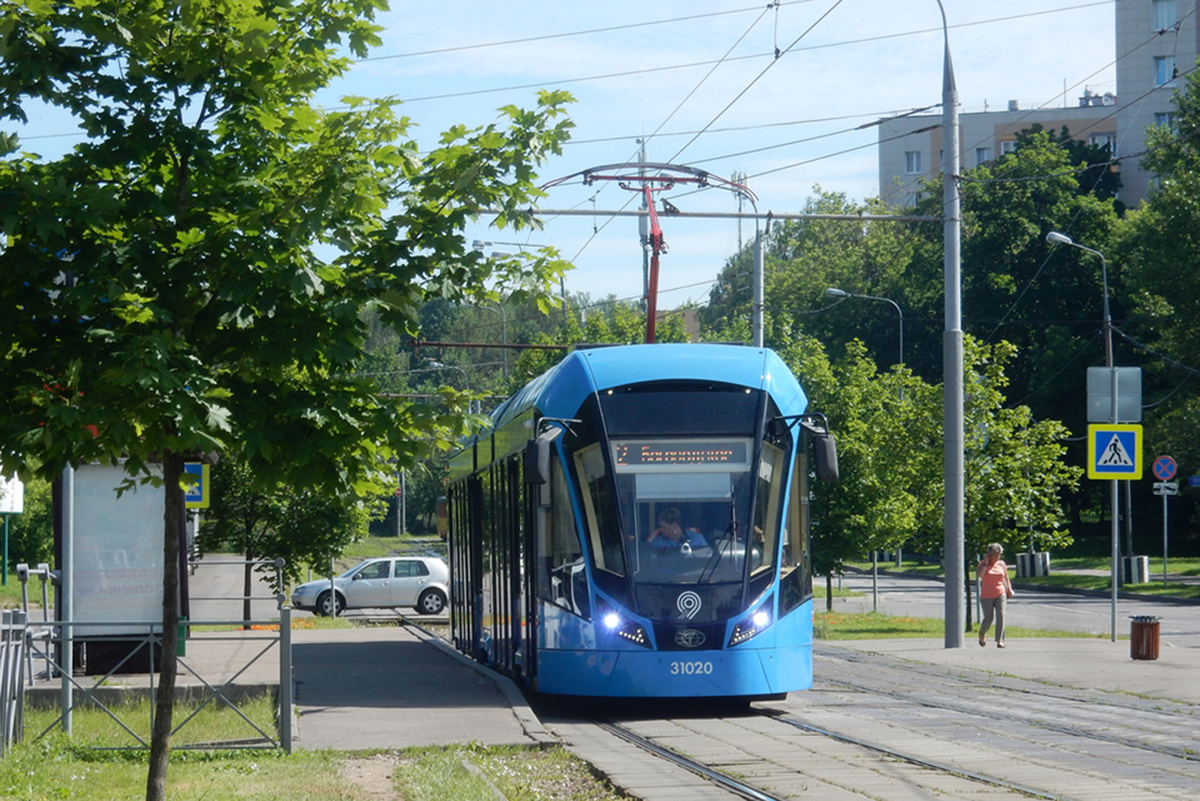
[(757, 622), (628, 630)]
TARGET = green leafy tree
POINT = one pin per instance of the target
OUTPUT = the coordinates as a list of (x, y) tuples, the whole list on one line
[(1016, 287), (31, 533), (1093, 163), (889, 433), (1016, 473), (164, 287), (1158, 252)]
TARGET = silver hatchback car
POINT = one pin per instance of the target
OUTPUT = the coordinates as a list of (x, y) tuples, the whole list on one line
[(420, 582)]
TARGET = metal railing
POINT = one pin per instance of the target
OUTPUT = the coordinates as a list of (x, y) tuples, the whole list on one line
[(107, 692), (12, 678), (215, 674)]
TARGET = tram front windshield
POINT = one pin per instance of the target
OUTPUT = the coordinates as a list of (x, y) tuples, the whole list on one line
[(673, 494), (686, 508)]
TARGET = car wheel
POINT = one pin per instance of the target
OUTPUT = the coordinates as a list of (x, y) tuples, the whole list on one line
[(431, 602), (330, 604)]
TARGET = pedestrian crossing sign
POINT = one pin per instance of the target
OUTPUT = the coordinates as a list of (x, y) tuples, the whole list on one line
[(1114, 451), (195, 475)]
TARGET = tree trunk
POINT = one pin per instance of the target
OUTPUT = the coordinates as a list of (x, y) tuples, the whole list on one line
[(829, 591), (247, 586), (160, 735)]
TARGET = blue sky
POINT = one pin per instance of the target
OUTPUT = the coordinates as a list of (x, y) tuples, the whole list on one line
[(701, 83)]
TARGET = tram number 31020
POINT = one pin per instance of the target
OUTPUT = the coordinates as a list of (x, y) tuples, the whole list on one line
[(691, 668)]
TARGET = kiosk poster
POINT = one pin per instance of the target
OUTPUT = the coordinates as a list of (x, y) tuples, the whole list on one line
[(118, 551)]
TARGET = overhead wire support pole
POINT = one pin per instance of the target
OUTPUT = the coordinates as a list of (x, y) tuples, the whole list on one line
[(954, 478), (656, 246), (635, 177)]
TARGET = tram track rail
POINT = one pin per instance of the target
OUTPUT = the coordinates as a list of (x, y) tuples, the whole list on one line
[(1144, 720), (1181, 752), (953, 728), (718, 778), (943, 767), (751, 791)]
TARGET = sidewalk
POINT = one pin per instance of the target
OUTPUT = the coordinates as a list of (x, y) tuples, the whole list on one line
[(1080, 663)]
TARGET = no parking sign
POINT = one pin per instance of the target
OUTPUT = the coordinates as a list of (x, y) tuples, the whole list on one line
[(1164, 468)]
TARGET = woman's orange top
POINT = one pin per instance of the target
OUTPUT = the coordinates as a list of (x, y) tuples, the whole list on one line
[(992, 580)]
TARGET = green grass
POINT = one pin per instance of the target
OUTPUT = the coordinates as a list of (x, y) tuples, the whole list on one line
[(1060, 577), (10, 593), (57, 767), (213, 723), (876, 626)]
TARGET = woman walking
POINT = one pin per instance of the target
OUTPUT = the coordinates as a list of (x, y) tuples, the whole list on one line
[(994, 590)]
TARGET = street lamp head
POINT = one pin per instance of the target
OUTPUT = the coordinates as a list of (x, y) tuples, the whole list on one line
[(836, 293), (480, 244), (1059, 239)]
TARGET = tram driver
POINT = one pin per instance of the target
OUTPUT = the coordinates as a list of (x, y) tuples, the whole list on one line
[(671, 533)]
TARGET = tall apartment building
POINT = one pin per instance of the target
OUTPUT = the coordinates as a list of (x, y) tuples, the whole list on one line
[(1156, 42)]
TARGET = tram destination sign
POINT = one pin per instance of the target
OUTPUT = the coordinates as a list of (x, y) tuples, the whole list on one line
[(680, 452)]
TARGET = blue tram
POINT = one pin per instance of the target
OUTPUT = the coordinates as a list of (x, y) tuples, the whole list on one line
[(634, 523)]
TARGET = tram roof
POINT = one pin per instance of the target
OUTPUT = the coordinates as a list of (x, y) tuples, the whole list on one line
[(561, 390)]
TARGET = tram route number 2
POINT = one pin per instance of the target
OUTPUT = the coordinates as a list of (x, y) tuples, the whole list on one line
[(691, 668)]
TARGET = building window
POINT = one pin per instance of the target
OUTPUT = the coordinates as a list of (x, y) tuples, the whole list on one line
[(912, 162), (1164, 70), (1108, 140), (1008, 146), (1164, 118), (982, 155), (1164, 14)]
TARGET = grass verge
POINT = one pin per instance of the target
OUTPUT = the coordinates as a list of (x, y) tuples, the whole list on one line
[(876, 626), (58, 767)]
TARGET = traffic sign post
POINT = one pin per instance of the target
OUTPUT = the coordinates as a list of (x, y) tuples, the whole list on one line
[(1164, 470), (1115, 453)]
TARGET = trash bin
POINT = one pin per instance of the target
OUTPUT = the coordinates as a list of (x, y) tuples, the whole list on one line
[(1143, 637)]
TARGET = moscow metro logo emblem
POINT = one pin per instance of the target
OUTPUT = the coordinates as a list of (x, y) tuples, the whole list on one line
[(688, 603)]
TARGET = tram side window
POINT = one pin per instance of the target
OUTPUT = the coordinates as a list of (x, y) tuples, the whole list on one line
[(766, 512), (795, 572), (562, 578), (602, 519)]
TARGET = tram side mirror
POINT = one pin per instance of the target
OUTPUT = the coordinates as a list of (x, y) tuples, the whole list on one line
[(537, 462), (826, 458)]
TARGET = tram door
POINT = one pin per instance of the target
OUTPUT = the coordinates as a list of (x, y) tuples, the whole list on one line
[(502, 609)]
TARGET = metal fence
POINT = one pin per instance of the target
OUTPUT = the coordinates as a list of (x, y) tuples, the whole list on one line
[(12, 678), (228, 661)]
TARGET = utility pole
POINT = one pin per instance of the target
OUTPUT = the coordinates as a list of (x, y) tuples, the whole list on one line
[(954, 477)]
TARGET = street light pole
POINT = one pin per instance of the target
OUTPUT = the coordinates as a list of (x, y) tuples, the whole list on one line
[(841, 293), (833, 292), (435, 365), (1055, 237)]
